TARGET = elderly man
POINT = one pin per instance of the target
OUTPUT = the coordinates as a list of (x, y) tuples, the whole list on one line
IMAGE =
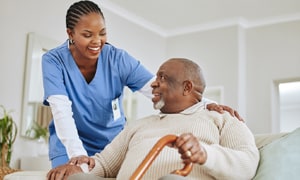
[(219, 145)]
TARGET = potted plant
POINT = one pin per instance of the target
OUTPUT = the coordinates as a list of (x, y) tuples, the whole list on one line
[(41, 134), (38, 132), (8, 134)]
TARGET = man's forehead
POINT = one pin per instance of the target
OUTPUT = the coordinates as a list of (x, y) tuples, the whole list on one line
[(167, 65), (170, 69)]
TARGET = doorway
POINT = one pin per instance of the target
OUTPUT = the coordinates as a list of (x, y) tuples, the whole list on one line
[(289, 106)]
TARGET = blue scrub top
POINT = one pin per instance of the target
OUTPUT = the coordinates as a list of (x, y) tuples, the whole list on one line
[(91, 102)]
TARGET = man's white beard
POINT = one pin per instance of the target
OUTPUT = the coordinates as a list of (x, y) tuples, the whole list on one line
[(159, 104)]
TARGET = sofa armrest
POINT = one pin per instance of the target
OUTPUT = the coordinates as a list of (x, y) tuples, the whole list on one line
[(264, 139)]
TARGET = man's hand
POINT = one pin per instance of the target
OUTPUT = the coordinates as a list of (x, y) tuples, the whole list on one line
[(221, 108), (190, 149), (63, 172), (83, 160)]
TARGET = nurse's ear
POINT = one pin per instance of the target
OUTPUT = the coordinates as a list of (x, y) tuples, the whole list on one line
[(70, 35)]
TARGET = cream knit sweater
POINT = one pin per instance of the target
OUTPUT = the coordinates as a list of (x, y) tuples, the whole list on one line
[(230, 146)]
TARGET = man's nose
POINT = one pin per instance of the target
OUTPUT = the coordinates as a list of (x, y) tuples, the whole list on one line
[(154, 84)]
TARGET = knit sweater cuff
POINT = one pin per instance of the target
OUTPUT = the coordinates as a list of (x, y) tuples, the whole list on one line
[(211, 158)]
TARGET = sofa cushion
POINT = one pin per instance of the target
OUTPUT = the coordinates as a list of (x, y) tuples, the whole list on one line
[(280, 159), (27, 175)]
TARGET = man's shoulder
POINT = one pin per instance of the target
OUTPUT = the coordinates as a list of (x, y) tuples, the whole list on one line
[(219, 119), (214, 114)]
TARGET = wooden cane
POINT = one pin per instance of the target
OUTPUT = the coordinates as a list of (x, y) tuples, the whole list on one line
[(142, 168)]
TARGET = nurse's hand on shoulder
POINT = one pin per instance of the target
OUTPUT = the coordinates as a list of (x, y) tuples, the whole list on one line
[(221, 108)]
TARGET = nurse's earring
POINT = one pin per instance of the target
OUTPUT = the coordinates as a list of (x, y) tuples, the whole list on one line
[(71, 41)]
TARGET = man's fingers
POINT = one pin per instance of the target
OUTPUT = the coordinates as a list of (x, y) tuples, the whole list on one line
[(182, 139)]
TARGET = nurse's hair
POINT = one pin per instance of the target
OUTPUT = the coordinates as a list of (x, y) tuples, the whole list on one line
[(79, 9)]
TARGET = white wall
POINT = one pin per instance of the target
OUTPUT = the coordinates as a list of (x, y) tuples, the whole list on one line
[(273, 54)]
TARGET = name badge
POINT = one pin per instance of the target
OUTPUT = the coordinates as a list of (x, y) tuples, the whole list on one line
[(116, 108)]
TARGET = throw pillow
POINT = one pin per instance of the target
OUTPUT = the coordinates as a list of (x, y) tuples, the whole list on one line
[(280, 159)]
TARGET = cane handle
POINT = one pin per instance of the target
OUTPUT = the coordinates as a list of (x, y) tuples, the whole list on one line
[(142, 168)]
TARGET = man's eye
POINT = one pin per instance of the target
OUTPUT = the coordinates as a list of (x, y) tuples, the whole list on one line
[(162, 78)]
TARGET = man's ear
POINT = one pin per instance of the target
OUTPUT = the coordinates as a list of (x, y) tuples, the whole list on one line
[(187, 87)]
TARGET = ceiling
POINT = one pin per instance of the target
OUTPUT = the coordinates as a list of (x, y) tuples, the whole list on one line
[(172, 17)]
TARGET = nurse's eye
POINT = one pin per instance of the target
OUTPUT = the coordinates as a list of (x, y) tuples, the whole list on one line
[(102, 34), (87, 35)]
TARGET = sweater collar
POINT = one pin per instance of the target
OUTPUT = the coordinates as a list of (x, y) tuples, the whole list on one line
[(189, 110)]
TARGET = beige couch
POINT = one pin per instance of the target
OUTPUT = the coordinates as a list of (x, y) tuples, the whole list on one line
[(280, 159)]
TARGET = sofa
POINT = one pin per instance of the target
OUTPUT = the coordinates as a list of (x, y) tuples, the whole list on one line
[(279, 159), (279, 156)]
